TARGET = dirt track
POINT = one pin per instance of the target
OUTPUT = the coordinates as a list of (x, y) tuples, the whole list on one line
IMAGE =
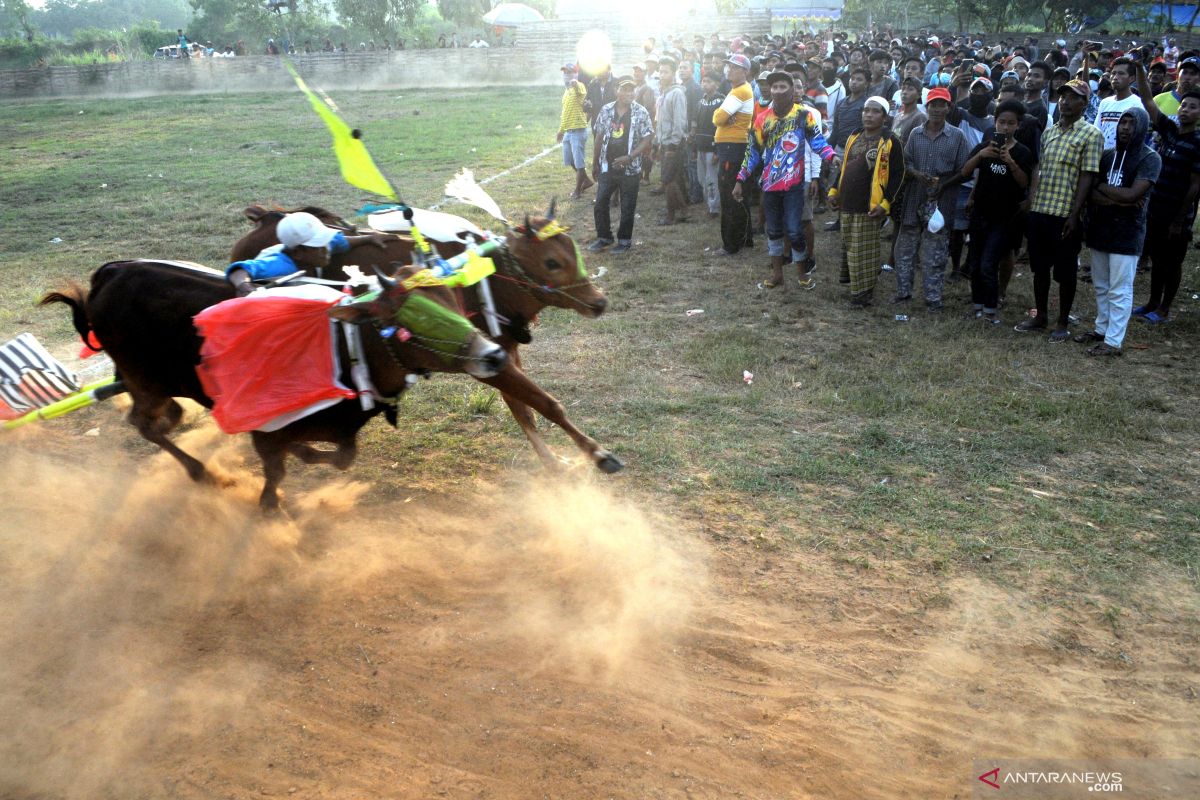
[(159, 639)]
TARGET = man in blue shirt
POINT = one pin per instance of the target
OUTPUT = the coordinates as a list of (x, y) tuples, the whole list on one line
[(305, 245)]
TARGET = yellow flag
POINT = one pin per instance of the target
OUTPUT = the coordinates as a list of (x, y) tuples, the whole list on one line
[(357, 167), (476, 269)]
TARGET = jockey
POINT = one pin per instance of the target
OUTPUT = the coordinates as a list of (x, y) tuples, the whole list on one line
[(305, 245)]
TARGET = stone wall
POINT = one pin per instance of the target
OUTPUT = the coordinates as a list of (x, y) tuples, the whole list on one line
[(536, 59), (395, 70), (541, 49)]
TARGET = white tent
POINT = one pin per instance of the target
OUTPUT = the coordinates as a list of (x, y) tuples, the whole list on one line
[(512, 15)]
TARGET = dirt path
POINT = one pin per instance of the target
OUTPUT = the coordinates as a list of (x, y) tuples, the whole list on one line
[(162, 640)]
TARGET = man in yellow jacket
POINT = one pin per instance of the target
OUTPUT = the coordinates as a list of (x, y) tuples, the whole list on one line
[(867, 185)]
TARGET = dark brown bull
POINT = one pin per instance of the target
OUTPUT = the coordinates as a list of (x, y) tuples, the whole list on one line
[(141, 312), (531, 274)]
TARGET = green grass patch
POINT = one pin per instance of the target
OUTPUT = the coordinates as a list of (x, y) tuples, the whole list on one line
[(935, 445)]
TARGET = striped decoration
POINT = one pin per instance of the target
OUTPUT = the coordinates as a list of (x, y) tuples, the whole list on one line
[(30, 377)]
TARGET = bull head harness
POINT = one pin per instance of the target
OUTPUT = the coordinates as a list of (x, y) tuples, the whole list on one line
[(510, 269)]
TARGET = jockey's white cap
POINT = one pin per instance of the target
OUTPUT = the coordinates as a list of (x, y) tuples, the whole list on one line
[(303, 229)]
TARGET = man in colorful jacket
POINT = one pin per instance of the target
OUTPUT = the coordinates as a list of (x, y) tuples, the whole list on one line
[(777, 141)]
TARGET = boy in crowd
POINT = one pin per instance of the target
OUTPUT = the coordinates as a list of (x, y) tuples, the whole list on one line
[(671, 128), (703, 132), (1004, 167), (882, 84), (1189, 77), (910, 111)]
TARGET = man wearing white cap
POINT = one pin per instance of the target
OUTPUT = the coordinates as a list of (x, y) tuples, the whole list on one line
[(305, 245), (732, 121)]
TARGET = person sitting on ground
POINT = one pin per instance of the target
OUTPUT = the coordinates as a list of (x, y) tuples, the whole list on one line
[(305, 245)]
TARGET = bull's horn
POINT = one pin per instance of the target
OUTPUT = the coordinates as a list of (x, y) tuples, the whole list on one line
[(384, 280), (553, 204), (529, 231)]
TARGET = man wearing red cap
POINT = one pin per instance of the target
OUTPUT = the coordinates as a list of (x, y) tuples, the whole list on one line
[(1067, 168), (934, 156)]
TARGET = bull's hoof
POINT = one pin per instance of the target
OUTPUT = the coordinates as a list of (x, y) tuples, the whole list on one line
[(607, 463)]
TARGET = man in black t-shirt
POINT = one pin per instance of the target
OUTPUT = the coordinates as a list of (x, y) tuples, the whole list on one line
[(1172, 208), (1004, 167), (1035, 86)]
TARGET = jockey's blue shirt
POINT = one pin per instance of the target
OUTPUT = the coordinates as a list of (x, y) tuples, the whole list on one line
[(274, 262)]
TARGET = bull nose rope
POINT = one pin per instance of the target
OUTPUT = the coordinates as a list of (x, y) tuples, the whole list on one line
[(511, 264)]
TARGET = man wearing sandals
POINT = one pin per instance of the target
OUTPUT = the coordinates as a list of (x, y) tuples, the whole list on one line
[(1067, 168), (1116, 227), (1004, 167), (778, 140)]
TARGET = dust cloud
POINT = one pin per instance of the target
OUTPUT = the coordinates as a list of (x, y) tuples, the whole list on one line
[(142, 615)]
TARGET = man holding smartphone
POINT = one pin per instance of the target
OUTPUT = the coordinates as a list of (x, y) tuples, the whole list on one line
[(1002, 167)]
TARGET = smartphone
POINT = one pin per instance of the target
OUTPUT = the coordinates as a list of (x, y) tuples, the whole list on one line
[(1000, 139), (968, 65)]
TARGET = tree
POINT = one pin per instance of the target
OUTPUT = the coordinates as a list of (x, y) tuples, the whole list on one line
[(998, 15), (466, 12), (64, 17), (383, 17), (230, 20), (16, 15)]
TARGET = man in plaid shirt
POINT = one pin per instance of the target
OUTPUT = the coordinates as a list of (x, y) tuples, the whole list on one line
[(1067, 168)]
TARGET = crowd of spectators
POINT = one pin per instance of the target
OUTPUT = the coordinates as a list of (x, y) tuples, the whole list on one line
[(956, 157)]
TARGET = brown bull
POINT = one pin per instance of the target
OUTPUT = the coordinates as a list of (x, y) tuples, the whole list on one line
[(531, 274), (141, 312)]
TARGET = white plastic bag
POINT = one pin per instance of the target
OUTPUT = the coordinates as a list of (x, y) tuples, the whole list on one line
[(936, 220)]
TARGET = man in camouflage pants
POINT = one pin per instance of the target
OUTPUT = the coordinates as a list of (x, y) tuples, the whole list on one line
[(933, 160)]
